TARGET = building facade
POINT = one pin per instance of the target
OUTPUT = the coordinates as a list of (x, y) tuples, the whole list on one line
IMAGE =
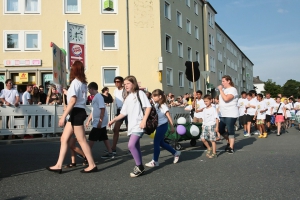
[(149, 39)]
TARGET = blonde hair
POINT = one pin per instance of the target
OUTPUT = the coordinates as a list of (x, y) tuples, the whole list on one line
[(50, 91)]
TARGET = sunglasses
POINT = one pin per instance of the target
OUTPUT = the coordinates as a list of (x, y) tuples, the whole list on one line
[(117, 81)]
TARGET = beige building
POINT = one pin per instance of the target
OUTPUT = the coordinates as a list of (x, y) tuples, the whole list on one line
[(150, 39)]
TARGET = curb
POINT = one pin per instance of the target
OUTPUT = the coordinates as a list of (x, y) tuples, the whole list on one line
[(52, 139)]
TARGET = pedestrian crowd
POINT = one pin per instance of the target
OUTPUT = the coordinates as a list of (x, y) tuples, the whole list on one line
[(217, 115)]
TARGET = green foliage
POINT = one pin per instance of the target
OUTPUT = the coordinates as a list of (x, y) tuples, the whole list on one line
[(272, 88), (291, 87)]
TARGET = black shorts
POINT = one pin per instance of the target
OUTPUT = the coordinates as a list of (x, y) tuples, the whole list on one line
[(268, 118), (98, 134), (77, 116), (121, 120), (243, 120), (250, 118)]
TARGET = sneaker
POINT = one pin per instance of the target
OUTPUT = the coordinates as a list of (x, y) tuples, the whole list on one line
[(114, 152), (260, 136), (265, 135), (152, 163), (137, 170), (108, 155), (247, 135), (230, 151), (245, 132), (227, 147), (176, 156)]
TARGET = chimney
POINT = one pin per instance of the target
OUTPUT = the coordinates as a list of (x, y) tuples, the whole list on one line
[(257, 77)]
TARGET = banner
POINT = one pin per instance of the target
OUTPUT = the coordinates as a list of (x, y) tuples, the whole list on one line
[(59, 67)]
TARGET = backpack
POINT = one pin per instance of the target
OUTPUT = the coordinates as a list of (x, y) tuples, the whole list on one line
[(152, 120)]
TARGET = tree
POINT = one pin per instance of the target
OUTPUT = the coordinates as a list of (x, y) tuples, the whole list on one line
[(272, 88), (291, 87)]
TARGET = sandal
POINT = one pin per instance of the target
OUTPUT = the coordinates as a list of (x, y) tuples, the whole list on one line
[(218, 138), (70, 165), (208, 153), (213, 155)]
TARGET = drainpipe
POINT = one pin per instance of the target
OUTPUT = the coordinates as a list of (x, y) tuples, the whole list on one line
[(128, 38), (205, 43)]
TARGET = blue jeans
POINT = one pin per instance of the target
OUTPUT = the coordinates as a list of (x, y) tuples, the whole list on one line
[(159, 141), (229, 123)]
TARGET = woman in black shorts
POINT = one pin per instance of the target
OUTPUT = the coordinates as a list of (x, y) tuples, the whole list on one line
[(76, 109)]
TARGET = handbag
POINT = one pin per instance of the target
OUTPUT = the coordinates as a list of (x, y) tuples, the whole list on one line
[(152, 120)]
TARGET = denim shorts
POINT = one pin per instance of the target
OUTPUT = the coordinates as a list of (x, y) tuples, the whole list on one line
[(229, 123), (140, 134)]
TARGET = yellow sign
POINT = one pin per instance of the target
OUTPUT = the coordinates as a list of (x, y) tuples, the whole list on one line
[(23, 77)]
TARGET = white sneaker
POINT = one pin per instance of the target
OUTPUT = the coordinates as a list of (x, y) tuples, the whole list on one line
[(247, 135), (152, 163), (256, 132), (176, 156)]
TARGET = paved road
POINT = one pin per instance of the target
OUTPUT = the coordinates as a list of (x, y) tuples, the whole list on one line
[(260, 169)]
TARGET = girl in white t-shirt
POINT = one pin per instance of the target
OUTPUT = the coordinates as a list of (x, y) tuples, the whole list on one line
[(297, 111), (288, 114), (163, 119), (76, 108), (279, 112), (136, 120)]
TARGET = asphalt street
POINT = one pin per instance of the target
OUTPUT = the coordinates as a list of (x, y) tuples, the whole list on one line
[(259, 169)]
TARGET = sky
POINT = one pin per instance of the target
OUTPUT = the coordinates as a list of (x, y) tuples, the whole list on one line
[(267, 31)]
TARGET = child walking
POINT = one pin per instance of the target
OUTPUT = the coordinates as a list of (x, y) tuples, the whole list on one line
[(163, 118), (136, 120), (99, 120), (210, 126), (260, 116)]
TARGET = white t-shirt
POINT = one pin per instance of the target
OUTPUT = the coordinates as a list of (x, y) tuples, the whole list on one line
[(288, 110), (270, 104), (209, 116), (261, 105), (25, 97), (229, 109), (119, 97), (292, 105), (132, 109), (78, 89), (297, 106), (161, 112), (251, 111), (9, 95), (280, 110), (97, 104), (241, 105), (199, 105)]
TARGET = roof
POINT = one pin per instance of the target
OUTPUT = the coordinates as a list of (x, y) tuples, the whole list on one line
[(256, 80)]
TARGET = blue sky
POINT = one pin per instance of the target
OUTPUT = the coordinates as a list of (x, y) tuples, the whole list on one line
[(267, 31)]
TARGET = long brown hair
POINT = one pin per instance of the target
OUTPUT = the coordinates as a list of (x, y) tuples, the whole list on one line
[(228, 78), (163, 99), (77, 71), (134, 82), (50, 91)]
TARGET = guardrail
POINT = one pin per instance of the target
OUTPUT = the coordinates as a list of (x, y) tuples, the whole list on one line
[(41, 119)]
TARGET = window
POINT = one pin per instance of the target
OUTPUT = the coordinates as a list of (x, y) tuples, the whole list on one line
[(219, 37), (109, 6), (197, 32), (179, 19), (181, 79), (211, 41), (220, 56), (22, 40), (220, 75), (32, 41), (212, 64), (188, 3), (72, 6), (167, 10), (180, 49), (209, 18), (188, 26), (108, 75), (191, 85), (197, 56), (110, 40), (211, 21), (169, 76), (196, 8), (22, 6), (189, 52), (168, 43)]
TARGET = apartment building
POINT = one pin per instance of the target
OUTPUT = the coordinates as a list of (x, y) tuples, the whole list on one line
[(149, 39)]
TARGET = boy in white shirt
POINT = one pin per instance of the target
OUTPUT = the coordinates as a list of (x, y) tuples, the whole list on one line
[(260, 116), (99, 119), (241, 105), (199, 105), (270, 105), (297, 110), (250, 111), (210, 126)]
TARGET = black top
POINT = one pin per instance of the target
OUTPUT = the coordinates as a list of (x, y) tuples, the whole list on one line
[(43, 98), (107, 99)]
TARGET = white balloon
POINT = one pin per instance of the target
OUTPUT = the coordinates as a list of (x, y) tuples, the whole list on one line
[(194, 130), (181, 120)]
